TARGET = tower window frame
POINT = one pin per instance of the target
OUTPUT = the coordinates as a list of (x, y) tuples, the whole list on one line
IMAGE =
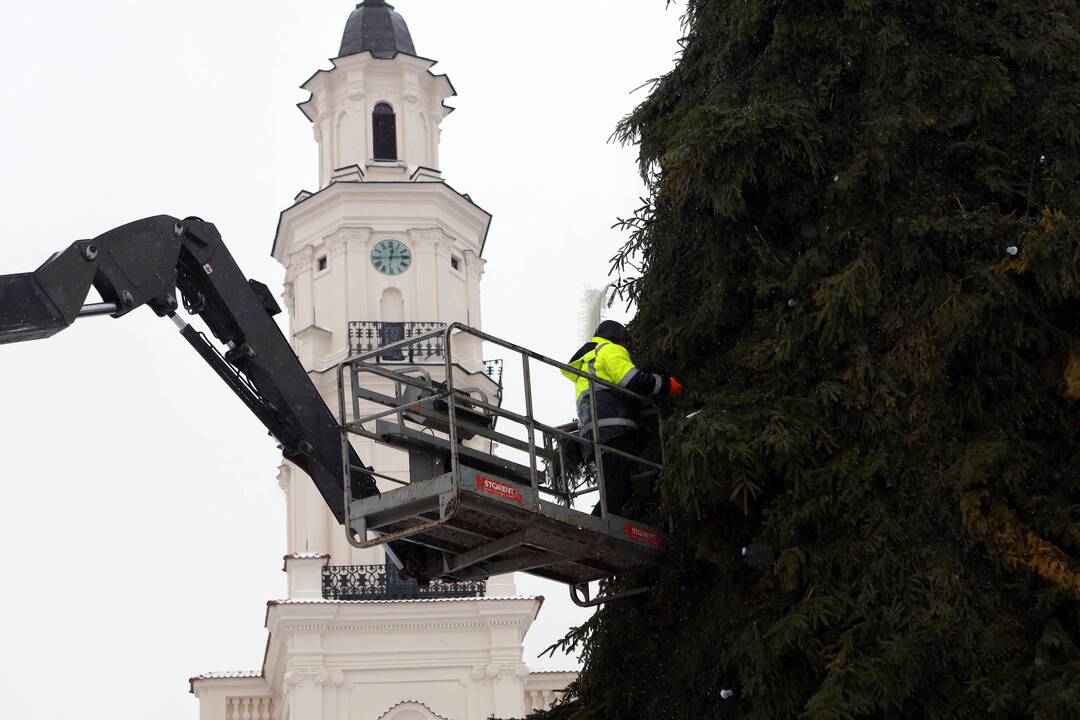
[(384, 133)]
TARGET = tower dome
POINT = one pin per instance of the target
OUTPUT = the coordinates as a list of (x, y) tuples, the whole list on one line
[(375, 27)]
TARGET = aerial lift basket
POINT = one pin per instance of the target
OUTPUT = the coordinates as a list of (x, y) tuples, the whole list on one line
[(485, 514)]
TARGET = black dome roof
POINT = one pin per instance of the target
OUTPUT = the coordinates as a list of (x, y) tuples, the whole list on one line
[(375, 27)]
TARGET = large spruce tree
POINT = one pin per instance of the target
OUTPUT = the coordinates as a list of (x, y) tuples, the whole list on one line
[(861, 253)]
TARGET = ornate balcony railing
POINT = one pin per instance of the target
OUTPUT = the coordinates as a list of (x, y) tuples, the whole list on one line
[(368, 335), (365, 336), (377, 582)]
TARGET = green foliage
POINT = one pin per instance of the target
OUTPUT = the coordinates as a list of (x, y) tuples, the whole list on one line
[(889, 395)]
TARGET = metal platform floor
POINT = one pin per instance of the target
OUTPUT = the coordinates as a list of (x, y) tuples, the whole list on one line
[(491, 525)]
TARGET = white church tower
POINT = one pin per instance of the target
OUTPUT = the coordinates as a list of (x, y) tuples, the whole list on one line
[(384, 250)]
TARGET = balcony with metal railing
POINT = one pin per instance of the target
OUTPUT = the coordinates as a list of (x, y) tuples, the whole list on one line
[(379, 582), (365, 336), (368, 335)]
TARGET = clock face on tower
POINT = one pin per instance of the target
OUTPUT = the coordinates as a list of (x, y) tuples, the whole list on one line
[(391, 257)]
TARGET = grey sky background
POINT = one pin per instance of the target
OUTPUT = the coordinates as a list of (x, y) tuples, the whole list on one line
[(141, 525)]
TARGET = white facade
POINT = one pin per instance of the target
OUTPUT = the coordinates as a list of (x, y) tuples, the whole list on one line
[(325, 243), (368, 660), (343, 100), (419, 659)]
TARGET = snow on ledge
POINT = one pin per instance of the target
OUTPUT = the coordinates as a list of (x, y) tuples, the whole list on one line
[(554, 672), (229, 675)]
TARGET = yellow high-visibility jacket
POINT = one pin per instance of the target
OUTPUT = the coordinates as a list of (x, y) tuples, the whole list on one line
[(610, 361)]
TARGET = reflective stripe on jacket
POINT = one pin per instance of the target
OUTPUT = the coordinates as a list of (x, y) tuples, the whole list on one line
[(611, 362)]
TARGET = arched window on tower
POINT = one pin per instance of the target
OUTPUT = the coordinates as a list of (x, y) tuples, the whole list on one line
[(384, 132)]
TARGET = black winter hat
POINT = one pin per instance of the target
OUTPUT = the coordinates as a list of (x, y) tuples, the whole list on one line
[(616, 332)]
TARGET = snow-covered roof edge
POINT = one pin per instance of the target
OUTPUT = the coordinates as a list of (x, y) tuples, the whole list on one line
[(227, 675)]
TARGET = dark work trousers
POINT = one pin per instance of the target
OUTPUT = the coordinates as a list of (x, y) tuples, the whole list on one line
[(617, 472)]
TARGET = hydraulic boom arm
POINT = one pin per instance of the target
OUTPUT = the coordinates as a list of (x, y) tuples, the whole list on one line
[(145, 263)]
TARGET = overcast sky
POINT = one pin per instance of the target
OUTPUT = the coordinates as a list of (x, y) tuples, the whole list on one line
[(141, 526)]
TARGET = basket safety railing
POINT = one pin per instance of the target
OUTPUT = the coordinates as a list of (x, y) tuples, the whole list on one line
[(541, 439)]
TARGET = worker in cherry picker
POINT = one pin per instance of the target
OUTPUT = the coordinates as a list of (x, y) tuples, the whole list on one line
[(607, 356)]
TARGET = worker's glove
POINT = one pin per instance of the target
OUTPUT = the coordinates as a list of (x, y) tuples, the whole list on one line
[(675, 388)]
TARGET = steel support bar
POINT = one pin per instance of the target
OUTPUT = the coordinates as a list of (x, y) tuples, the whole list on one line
[(400, 377), (96, 309), (366, 544), (451, 410), (395, 410), (598, 452), (524, 562), (374, 474), (486, 551), (530, 423)]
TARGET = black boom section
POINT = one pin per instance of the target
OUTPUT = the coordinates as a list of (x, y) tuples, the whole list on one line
[(40, 304), (145, 263), (237, 312), (26, 312)]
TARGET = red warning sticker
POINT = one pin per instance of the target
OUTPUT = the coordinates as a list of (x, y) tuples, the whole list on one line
[(641, 535), (499, 489)]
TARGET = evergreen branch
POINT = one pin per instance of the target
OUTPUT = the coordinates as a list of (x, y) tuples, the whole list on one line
[(1002, 532)]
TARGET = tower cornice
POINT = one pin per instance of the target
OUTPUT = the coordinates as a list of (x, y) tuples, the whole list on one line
[(321, 79), (371, 204), (410, 618)]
